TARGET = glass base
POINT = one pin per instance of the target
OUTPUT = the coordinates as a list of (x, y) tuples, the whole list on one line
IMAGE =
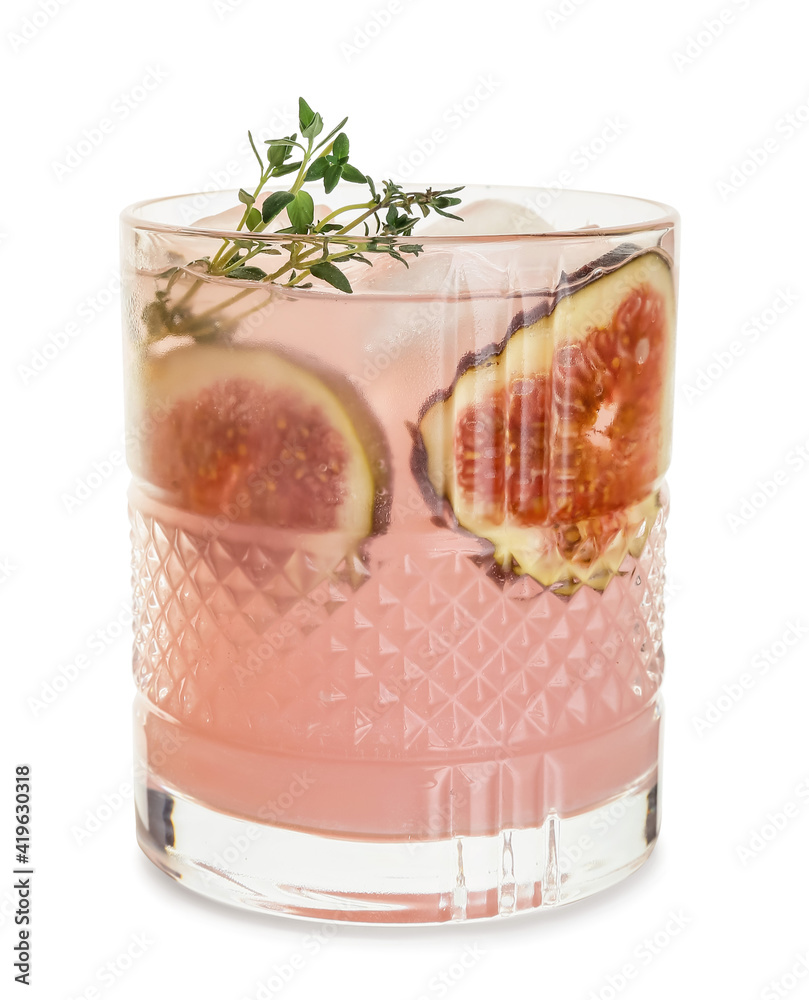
[(283, 870)]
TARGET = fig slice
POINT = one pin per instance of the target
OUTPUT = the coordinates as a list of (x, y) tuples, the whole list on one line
[(551, 444), (264, 438)]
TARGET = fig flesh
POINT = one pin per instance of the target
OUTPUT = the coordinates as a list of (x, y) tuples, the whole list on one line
[(552, 444), (265, 438)]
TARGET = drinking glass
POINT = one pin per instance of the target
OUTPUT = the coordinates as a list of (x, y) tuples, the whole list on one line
[(398, 558)]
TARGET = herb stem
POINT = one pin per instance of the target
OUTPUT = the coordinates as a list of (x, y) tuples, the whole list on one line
[(299, 180), (360, 218), (339, 211), (228, 302), (226, 267), (322, 246), (188, 293)]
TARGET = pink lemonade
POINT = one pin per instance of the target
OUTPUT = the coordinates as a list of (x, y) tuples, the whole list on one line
[(398, 559), (452, 713)]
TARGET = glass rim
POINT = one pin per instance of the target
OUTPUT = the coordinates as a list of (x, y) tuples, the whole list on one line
[(665, 217)]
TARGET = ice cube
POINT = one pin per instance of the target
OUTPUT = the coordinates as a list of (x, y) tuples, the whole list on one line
[(438, 271), (445, 295), (488, 217), (228, 219)]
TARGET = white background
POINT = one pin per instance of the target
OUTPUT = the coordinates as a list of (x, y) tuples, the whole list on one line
[(690, 104)]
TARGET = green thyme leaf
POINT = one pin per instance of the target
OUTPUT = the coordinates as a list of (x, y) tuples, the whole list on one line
[(340, 147), (317, 170), (247, 273), (305, 114), (332, 134), (332, 179), (332, 274), (447, 215), (279, 150), (257, 154), (301, 211), (287, 168), (274, 204), (352, 174), (314, 128)]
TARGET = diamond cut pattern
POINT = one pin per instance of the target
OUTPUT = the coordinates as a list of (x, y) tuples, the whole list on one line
[(295, 649)]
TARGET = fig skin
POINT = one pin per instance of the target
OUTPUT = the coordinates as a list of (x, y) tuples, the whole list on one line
[(439, 504)]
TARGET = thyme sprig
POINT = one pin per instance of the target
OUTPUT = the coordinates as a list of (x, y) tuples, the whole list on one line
[(307, 247), (388, 214)]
